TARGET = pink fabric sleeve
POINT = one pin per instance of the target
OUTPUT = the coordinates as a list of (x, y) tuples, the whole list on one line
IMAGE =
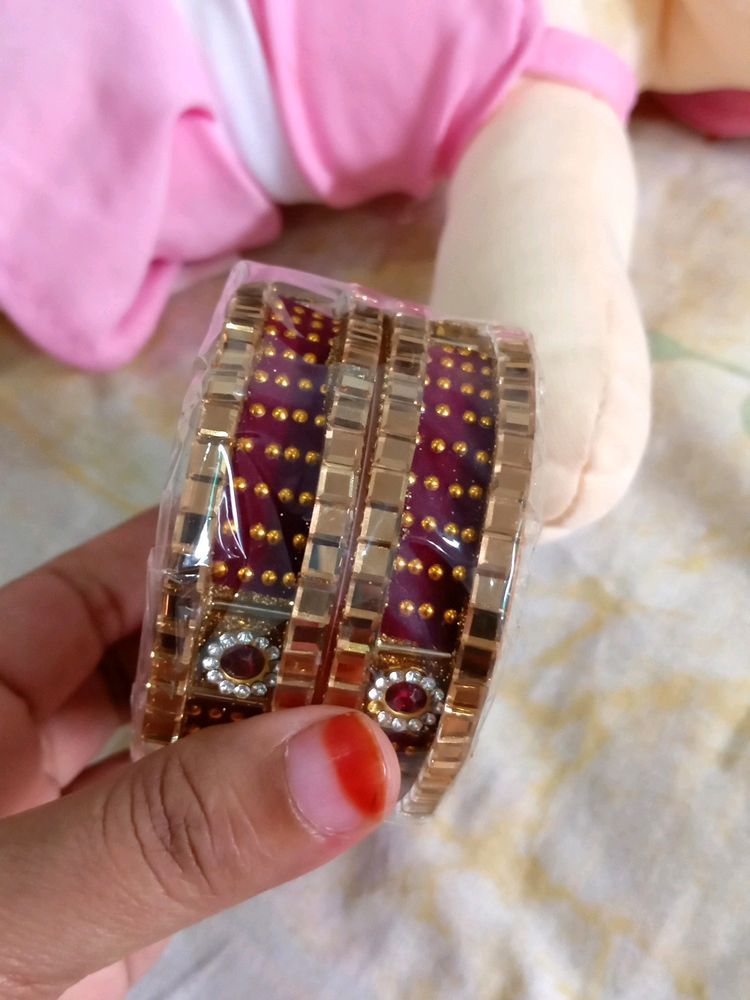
[(114, 170), (582, 62), (380, 97)]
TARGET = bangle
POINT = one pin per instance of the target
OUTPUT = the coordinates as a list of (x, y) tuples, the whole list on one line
[(343, 520)]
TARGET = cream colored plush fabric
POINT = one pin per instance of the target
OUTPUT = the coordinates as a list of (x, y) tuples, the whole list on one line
[(598, 845)]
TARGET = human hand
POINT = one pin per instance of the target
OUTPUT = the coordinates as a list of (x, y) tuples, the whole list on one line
[(100, 862)]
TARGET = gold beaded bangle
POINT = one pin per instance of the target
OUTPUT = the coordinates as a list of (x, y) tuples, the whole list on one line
[(349, 521)]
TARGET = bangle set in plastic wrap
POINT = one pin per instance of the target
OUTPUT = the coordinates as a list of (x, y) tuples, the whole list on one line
[(343, 520)]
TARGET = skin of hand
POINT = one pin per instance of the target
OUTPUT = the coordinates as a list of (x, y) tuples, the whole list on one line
[(101, 862), (539, 229)]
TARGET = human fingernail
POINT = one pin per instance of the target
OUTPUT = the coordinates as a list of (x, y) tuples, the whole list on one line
[(342, 774)]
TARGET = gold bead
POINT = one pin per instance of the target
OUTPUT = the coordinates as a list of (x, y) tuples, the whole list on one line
[(240, 484), (476, 492), (306, 499), (486, 421), (299, 541), (279, 413), (219, 570), (299, 416), (432, 483), (246, 444), (451, 529), (324, 388), (314, 338), (443, 410), (258, 410), (406, 608), (245, 574), (270, 351), (261, 489), (282, 380), (458, 573), (429, 523), (309, 358), (317, 324), (312, 457), (399, 563), (426, 611), (467, 389), (273, 537), (269, 578), (468, 535), (286, 495), (373, 707), (470, 417), (444, 383), (291, 454), (486, 370), (450, 617), (415, 566), (412, 478), (408, 519), (320, 420), (448, 349), (483, 457), (300, 310), (447, 362), (289, 579), (305, 383), (460, 447), (261, 376), (464, 352), (456, 490), (485, 394), (467, 366), (289, 354), (435, 572), (438, 445), (273, 451), (257, 532)]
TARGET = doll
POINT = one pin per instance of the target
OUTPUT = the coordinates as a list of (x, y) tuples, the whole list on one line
[(141, 137)]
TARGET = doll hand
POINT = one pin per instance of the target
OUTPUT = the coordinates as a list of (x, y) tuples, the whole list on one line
[(539, 225), (127, 854)]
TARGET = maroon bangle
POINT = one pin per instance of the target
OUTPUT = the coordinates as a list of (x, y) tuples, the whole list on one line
[(349, 522)]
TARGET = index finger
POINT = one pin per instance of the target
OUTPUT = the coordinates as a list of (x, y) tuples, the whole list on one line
[(57, 622)]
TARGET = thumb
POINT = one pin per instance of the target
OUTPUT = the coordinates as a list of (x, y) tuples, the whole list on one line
[(197, 827)]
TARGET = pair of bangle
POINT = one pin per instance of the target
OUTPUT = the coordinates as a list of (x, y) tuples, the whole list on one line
[(343, 520)]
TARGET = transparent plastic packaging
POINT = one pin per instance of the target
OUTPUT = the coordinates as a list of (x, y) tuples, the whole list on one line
[(343, 520)]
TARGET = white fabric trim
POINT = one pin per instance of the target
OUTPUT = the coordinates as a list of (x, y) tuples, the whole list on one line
[(226, 32)]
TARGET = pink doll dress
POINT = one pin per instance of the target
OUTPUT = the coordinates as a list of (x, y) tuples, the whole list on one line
[(126, 151)]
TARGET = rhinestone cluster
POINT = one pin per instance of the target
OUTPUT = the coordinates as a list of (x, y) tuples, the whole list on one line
[(405, 701), (220, 656)]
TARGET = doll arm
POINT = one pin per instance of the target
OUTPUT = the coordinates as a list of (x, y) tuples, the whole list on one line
[(539, 227)]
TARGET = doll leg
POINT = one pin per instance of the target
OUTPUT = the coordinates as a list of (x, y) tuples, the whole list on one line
[(538, 233)]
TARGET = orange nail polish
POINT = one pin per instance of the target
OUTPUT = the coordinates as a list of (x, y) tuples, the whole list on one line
[(358, 763)]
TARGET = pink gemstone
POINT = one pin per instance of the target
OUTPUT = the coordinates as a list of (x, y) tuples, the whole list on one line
[(243, 662), (405, 697)]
